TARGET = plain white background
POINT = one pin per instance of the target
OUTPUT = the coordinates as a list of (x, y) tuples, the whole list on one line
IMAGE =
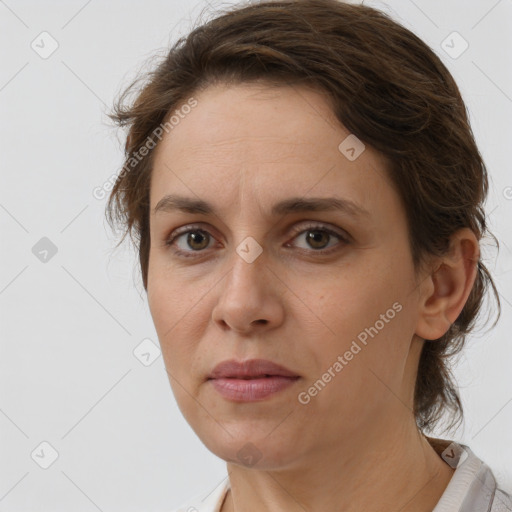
[(71, 321)]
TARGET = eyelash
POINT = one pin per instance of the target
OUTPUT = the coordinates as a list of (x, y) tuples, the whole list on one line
[(311, 227)]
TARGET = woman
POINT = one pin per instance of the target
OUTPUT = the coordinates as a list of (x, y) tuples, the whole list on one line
[(305, 194)]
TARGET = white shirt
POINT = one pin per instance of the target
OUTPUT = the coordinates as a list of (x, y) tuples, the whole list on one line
[(472, 487)]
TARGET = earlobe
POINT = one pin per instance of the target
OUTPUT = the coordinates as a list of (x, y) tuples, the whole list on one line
[(447, 288)]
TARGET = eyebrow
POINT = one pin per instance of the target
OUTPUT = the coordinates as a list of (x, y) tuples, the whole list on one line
[(172, 202)]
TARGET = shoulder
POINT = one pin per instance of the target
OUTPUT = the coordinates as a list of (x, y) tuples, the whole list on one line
[(209, 501), (484, 489), (473, 485), (502, 501)]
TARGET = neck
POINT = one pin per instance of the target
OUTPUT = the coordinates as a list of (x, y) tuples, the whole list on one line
[(377, 470)]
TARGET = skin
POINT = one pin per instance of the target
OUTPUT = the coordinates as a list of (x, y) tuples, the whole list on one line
[(355, 445)]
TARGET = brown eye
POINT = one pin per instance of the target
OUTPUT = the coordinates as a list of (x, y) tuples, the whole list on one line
[(197, 240), (190, 241), (317, 239), (313, 238)]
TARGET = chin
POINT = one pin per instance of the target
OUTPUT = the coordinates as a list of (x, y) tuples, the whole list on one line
[(258, 451)]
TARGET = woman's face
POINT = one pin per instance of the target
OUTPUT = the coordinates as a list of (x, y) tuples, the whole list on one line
[(328, 293)]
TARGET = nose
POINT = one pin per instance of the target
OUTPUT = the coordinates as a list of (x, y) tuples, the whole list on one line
[(250, 297)]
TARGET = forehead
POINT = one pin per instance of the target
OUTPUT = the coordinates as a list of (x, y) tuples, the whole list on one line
[(231, 118), (270, 140)]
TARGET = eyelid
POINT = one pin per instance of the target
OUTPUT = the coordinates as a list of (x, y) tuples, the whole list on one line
[(321, 226)]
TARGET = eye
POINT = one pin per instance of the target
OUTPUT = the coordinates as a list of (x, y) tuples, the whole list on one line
[(192, 238), (191, 241), (318, 237)]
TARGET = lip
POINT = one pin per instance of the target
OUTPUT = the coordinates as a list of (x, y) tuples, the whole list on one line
[(251, 380), (252, 368)]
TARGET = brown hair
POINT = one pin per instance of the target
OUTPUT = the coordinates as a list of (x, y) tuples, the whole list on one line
[(384, 85)]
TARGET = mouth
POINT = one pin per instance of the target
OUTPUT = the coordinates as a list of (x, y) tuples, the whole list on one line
[(251, 389), (250, 369), (252, 377), (252, 380)]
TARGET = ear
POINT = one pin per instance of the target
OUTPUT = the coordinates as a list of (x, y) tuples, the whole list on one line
[(445, 291)]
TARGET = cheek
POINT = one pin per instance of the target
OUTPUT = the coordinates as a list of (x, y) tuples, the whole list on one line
[(372, 352), (168, 316), (161, 304), (180, 319), (176, 342), (349, 307), (366, 320), (169, 297)]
